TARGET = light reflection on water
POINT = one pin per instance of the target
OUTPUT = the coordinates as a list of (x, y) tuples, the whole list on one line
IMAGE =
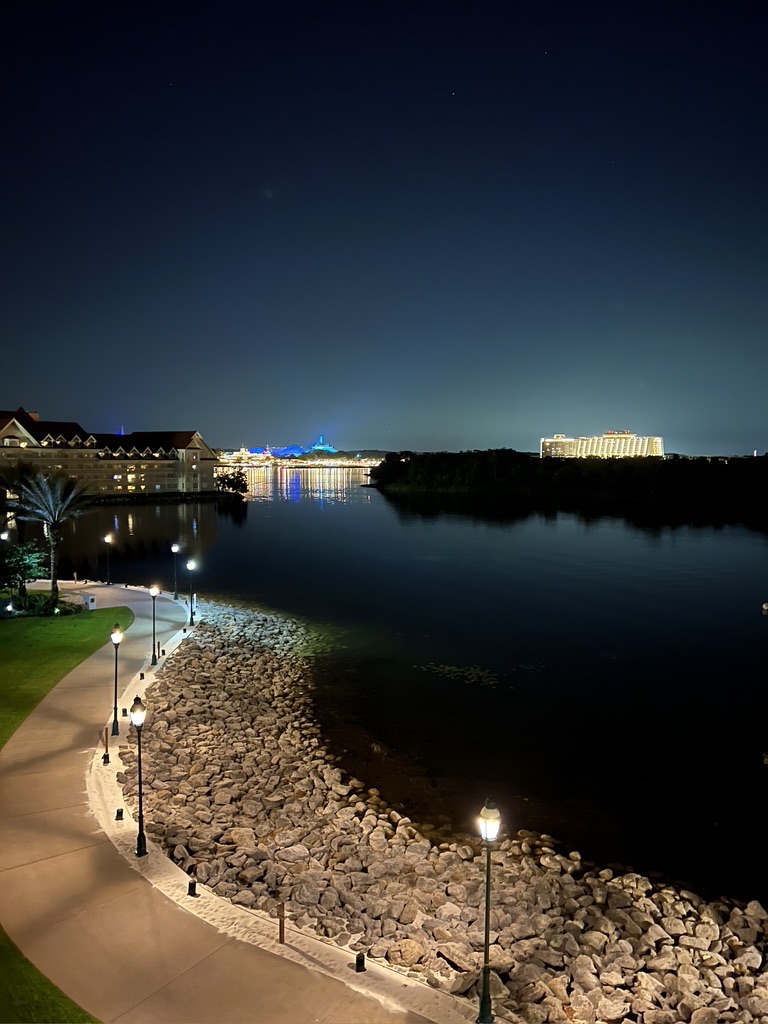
[(605, 680), (287, 483)]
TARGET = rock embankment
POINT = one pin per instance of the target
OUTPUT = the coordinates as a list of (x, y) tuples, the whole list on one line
[(239, 788)]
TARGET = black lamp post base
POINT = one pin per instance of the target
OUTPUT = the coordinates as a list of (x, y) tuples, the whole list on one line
[(115, 727), (485, 1016), (141, 845)]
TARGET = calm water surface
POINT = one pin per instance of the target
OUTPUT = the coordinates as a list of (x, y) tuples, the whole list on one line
[(605, 683)]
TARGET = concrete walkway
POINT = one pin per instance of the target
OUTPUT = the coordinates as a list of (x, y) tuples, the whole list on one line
[(97, 921)]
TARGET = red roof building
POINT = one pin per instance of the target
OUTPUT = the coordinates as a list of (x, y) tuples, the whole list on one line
[(149, 462)]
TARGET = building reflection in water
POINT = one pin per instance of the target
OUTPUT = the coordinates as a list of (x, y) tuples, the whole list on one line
[(303, 483), (139, 532), (143, 534)]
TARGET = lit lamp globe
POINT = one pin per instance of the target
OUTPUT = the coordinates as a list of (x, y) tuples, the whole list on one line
[(154, 591), (489, 822), (138, 713)]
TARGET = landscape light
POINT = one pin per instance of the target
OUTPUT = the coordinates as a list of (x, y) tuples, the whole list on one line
[(175, 548), (488, 822), (138, 714), (153, 592), (191, 566), (116, 638)]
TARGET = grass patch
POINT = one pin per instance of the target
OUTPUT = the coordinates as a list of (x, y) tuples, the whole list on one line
[(26, 997), (35, 653)]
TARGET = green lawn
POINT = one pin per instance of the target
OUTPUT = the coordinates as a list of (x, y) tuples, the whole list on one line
[(35, 653)]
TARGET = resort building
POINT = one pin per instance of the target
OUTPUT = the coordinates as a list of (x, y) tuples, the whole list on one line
[(614, 444), (150, 462)]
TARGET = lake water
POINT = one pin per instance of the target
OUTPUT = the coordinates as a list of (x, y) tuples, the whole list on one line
[(604, 682)]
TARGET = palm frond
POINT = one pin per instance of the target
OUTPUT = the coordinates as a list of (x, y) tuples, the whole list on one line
[(51, 500)]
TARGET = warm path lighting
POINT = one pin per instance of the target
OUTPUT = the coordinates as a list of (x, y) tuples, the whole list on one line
[(117, 637), (153, 592), (191, 566), (175, 549), (488, 823), (108, 541), (138, 713)]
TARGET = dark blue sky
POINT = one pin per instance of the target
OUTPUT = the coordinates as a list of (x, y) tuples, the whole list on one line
[(426, 225)]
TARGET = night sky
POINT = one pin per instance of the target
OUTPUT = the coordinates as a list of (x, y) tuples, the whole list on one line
[(426, 225)]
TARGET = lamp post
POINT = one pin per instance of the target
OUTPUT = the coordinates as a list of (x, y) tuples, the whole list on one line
[(175, 550), (117, 636), (138, 713), (488, 823), (191, 566), (153, 592), (108, 541)]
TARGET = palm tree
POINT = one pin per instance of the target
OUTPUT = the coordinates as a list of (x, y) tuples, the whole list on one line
[(51, 499)]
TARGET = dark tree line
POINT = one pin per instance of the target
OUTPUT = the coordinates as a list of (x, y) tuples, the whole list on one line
[(728, 490)]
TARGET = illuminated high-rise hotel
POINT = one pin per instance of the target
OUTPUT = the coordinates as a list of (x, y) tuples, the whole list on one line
[(613, 444)]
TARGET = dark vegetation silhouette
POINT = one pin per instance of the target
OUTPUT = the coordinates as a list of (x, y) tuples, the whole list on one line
[(505, 484)]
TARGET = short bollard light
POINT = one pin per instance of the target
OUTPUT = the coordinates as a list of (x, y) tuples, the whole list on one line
[(138, 714), (119, 814), (117, 637), (192, 888), (360, 963), (488, 822)]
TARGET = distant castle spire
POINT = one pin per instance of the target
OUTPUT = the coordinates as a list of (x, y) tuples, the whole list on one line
[(321, 446)]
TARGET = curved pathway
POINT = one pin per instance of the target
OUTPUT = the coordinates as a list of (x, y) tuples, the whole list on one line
[(83, 911)]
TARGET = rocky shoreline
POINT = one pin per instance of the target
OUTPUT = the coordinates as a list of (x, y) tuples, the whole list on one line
[(240, 790)]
